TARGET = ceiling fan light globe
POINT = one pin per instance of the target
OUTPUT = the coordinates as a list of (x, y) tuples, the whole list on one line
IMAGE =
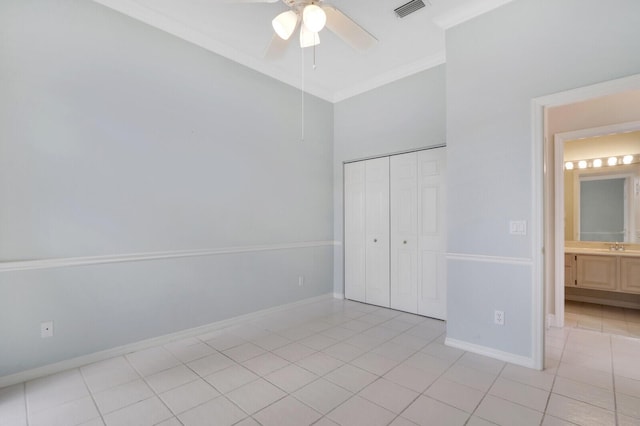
[(284, 24), (314, 17)]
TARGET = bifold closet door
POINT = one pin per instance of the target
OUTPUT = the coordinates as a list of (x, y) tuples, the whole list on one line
[(404, 232), (377, 231), (366, 231), (432, 299), (354, 231)]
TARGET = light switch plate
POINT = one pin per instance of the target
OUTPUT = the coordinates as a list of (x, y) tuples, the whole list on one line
[(518, 227)]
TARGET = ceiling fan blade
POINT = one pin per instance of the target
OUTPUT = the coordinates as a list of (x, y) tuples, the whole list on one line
[(345, 28), (276, 48)]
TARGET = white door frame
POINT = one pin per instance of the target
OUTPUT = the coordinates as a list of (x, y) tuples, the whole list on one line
[(540, 173)]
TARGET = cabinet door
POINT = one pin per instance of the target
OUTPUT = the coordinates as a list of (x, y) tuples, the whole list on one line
[(569, 268), (630, 274), (354, 231), (377, 231), (404, 232), (597, 272), (432, 280)]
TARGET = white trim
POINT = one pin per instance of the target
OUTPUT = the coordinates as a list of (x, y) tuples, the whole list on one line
[(539, 106), (630, 126), (490, 352), (489, 259), (80, 361), (338, 296), (467, 12), (558, 170), (391, 76), (551, 320), (23, 265), (537, 239), (597, 90)]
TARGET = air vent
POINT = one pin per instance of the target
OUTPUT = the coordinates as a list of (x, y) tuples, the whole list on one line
[(408, 8)]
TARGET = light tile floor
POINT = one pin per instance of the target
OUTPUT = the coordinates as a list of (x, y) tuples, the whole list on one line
[(608, 319), (337, 362)]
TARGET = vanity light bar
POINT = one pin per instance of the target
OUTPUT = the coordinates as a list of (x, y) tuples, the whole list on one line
[(598, 162)]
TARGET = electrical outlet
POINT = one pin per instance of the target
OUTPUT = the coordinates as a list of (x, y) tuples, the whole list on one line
[(301, 280), (46, 329), (498, 317)]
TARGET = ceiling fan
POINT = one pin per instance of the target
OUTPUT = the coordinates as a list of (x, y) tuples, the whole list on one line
[(312, 16)]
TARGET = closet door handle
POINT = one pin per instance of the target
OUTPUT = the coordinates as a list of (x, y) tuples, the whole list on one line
[(375, 240), (404, 242)]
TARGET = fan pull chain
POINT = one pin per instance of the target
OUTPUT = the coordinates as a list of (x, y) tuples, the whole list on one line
[(302, 98), (314, 56)]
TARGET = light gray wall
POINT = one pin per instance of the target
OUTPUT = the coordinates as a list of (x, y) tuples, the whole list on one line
[(117, 138), (404, 115), (496, 64)]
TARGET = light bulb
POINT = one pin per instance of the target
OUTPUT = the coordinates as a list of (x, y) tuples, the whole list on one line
[(612, 161), (627, 159), (597, 162), (314, 17), (307, 37), (568, 165), (582, 164), (285, 23)]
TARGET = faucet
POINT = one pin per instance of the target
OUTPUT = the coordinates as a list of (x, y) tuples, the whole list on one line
[(617, 247), (620, 247)]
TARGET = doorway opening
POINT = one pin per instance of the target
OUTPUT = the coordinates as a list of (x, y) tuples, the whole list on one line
[(549, 309)]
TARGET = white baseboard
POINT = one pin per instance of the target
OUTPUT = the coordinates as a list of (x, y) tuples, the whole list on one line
[(80, 361), (490, 352), (551, 321)]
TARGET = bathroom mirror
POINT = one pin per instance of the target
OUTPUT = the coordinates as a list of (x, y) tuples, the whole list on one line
[(602, 188), (603, 209)]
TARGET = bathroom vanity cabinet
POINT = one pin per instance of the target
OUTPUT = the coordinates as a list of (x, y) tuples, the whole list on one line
[(617, 272)]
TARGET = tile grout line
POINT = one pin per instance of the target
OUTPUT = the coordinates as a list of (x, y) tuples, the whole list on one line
[(487, 393), (95, 404), (24, 396), (431, 384), (555, 375)]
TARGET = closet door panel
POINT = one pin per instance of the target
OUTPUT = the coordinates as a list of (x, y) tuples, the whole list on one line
[(377, 231), (431, 230), (354, 231), (404, 232)]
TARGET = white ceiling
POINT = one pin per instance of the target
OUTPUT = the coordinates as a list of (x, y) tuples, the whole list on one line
[(242, 31)]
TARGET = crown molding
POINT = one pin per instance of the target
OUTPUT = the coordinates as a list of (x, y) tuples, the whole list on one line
[(465, 13), (391, 76)]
